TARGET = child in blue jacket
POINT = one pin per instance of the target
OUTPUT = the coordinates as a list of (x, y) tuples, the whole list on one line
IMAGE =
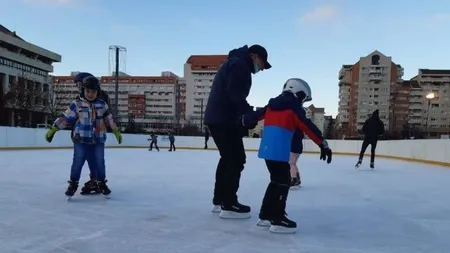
[(90, 116), (283, 115)]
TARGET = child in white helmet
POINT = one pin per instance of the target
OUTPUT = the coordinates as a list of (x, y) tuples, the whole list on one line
[(283, 115)]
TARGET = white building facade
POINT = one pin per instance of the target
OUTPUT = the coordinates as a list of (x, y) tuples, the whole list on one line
[(24, 80)]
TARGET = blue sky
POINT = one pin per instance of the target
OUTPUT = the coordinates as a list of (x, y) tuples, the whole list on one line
[(309, 39)]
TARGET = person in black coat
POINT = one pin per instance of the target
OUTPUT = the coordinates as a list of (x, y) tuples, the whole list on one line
[(296, 150), (172, 142), (372, 128), (206, 138), (226, 104)]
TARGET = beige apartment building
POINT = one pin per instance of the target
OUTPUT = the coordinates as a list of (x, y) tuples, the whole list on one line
[(431, 112), (199, 73), (364, 87)]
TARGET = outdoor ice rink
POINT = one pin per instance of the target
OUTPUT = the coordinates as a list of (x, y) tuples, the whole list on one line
[(161, 203)]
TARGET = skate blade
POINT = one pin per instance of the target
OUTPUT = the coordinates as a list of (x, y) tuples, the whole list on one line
[(282, 230), (263, 223), (216, 209), (107, 196), (233, 215), (295, 187), (68, 198)]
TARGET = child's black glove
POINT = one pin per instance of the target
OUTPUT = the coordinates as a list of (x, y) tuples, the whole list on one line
[(325, 152)]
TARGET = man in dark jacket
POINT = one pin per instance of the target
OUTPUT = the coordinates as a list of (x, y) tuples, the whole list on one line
[(90, 187), (226, 104), (172, 142), (373, 127), (206, 138)]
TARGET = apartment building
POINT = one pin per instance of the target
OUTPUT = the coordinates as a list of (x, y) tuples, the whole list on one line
[(328, 126), (317, 116), (364, 87), (431, 113), (199, 73), (24, 80)]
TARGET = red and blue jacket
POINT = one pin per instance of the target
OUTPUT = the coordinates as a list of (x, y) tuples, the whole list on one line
[(283, 115)]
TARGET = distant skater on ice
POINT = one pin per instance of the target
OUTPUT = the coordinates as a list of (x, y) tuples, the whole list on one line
[(283, 115), (90, 116), (372, 128), (153, 141), (172, 142)]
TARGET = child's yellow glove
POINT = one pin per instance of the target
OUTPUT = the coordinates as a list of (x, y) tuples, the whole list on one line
[(118, 136), (50, 133)]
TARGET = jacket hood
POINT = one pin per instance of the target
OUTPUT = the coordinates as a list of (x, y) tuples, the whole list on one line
[(283, 101), (242, 53), (376, 114)]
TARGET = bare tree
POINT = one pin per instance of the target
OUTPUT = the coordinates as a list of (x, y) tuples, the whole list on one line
[(57, 98), (23, 98)]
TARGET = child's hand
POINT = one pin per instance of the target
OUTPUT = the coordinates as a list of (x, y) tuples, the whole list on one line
[(118, 135), (50, 133)]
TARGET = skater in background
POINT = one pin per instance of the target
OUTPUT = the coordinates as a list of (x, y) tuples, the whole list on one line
[(372, 128), (227, 102), (206, 137), (296, 150), (90, 117), (90, 186), (172, 142), (153, 141), (283, 115)]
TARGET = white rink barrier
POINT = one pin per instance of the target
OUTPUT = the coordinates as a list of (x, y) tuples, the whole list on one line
[(426, 151)]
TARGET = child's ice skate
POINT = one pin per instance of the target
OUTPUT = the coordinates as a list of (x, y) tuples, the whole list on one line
[(90, 187), (358, 164), (104, 188), (295, 183), (283, 226), (71, 189)]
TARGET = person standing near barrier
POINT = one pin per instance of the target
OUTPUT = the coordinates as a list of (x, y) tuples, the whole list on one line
[(172, 142), (226, 104), (372, 128)]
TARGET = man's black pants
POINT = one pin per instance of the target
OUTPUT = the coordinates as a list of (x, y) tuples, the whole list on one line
[(373, 146), (228, 140), (274, 202)]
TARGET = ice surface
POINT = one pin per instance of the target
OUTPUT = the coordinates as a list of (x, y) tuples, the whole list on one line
[(161, 203)]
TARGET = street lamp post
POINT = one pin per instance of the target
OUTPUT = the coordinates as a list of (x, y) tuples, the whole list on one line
[(429, 97)]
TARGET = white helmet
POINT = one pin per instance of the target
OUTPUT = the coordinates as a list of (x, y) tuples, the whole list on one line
[(297, 85)]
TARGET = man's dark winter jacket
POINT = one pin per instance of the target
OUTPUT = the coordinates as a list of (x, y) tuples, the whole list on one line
[(231, 86), (373, 127)]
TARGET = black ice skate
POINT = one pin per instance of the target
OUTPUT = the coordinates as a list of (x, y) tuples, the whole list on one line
[(372, 165), (283, 226), (295, 183), (264, 221), (71, 189), (216, 206), (90, 187), (104, 188), (358, 164), (235, 211)]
